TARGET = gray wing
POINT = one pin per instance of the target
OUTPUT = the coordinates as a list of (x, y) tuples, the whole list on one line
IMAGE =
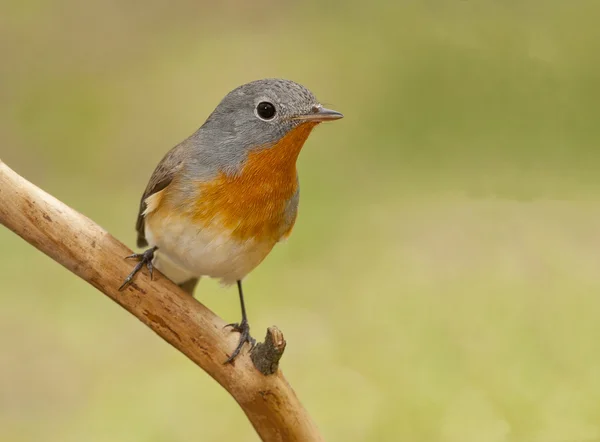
[(160, 179)]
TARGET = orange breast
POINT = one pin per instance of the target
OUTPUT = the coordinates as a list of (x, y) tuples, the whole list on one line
[(254, 203)]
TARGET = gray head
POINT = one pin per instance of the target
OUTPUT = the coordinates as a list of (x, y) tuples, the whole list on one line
[(257, 115)]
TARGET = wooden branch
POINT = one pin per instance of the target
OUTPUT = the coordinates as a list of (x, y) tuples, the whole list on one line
[(94, 255)]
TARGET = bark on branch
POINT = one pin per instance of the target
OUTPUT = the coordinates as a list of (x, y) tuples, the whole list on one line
[(94, 255)]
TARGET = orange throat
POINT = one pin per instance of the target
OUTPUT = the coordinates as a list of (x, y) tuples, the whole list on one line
[(255, 204)]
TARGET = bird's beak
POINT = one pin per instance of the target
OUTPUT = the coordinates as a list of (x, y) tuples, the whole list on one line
[(319, 114)]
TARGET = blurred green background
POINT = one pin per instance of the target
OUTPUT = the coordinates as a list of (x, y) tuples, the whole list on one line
[(442, 281)]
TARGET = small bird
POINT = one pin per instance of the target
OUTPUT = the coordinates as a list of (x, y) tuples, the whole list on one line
[(219, 201)]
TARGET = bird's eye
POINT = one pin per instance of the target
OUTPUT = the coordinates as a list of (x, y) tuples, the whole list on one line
[(265, 110)]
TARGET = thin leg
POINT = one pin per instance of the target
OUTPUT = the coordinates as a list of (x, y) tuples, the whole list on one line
[(145, 259), (243, 328), (242, 304)]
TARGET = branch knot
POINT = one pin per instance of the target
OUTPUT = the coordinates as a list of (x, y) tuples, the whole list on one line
[(266, 355)]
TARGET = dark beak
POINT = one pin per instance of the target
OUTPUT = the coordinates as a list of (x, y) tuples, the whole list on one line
[(319, 114)]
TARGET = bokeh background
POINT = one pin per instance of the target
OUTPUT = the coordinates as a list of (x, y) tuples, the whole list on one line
[(442, 282)]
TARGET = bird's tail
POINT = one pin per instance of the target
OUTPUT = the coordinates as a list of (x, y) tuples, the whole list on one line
[(189, 285), (175, 273)]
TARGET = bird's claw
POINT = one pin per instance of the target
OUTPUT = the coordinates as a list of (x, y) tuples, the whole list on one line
[(145, 259), (243, 328)]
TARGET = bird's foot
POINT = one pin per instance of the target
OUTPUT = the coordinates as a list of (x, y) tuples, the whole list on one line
[(144, 259), (243, 328)]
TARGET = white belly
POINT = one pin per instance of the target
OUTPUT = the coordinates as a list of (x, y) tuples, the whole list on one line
[(185, 252)]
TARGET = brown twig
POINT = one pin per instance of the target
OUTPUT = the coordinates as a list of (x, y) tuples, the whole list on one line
[(94, 255)]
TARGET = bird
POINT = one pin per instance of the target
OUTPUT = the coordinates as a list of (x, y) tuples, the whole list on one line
[(220, 200)]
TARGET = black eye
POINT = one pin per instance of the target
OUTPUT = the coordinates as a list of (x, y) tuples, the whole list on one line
[(265, 110)]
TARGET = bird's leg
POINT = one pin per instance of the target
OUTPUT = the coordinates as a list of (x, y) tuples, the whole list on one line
[(243, 328), (144, 259)]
